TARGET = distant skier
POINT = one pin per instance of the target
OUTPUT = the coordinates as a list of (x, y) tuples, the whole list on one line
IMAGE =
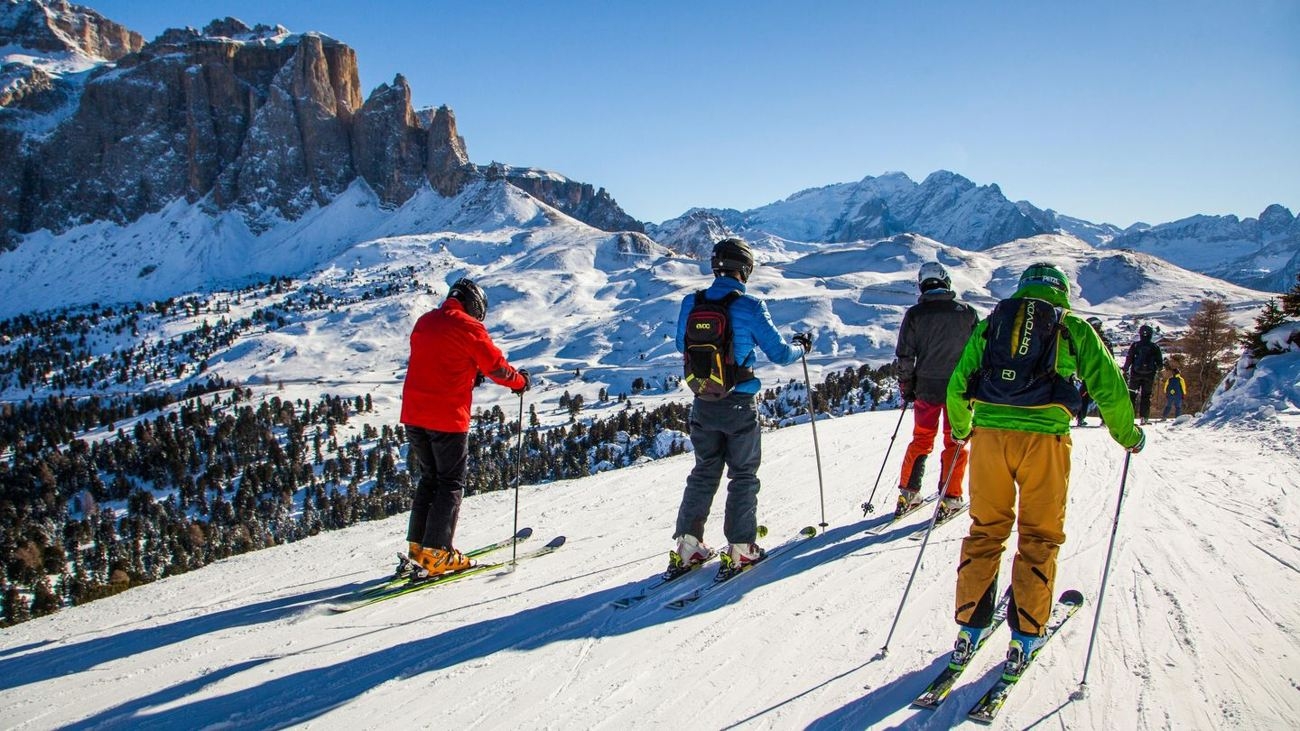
[(1021, 417), (1144, 361), (930, 341), (1083, 391), (1175, 389), (449, 348), (719, 331)]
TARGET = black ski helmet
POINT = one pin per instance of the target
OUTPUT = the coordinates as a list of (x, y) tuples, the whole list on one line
[(732, 255), (470, 296), (1145, 332), (933, 275)]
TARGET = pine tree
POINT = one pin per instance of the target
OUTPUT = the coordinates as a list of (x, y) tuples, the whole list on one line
[(1270, 317), (1291, 300), (1208, 341)]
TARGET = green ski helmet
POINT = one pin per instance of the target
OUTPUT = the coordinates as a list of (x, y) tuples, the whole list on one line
[(1046, 274)]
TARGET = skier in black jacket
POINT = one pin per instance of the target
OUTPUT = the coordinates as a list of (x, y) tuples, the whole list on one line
[(930, 341), (1144, 361)]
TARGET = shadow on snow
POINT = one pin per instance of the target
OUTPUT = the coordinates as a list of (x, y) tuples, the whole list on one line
[(301, 696)]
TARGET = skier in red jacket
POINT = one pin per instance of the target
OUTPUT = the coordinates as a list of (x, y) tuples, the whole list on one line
[(450, 347)]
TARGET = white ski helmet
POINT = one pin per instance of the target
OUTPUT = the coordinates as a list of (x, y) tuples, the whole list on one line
[(932, 275)]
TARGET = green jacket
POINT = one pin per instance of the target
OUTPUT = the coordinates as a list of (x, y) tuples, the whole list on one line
[(1089, 360)]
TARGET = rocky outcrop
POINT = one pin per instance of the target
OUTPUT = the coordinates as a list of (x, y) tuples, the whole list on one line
[(447, 164), (579, 200), (57, 26), (388, 146), (255, 119), (693, 234)]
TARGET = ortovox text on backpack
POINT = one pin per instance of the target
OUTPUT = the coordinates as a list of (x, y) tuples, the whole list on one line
[(1019, 363), (710, 367)]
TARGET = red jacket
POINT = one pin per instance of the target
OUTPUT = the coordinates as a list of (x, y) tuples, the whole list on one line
[(448, 349)]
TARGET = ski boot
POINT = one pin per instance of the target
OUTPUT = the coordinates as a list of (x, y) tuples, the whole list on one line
[(969, 639), (908, 500), (690, 553), (1020, 652), (949, 506), (443, 561), (737, 557)]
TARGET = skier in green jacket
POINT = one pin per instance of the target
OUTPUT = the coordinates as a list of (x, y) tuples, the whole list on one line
[(1018, 423)]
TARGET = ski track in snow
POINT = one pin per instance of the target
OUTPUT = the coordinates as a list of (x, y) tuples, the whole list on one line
[(1200, 623)]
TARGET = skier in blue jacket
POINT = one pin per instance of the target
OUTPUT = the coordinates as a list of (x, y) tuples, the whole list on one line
[(725, 432)]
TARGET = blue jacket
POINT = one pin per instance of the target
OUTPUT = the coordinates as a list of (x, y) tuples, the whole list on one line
[(751, 326)]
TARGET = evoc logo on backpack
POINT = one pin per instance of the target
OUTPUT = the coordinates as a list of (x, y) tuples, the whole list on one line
[(1019, 364), (710, 367)]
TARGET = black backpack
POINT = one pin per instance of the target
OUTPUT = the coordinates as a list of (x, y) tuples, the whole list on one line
[(1146, 358), (1019, 363), (710, 363)]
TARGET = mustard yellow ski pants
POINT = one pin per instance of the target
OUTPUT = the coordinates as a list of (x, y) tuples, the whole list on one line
[(1001, 461)]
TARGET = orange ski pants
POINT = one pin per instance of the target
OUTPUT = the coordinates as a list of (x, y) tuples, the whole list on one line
[(925, 426), (1002, 460)]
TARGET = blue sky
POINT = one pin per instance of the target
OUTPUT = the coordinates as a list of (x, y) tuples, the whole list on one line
[(1110, 111)]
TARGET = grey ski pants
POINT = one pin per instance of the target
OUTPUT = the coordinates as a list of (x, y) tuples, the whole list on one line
[(724, 434)]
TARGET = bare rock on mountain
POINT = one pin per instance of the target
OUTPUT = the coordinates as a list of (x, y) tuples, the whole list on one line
[(388, 146), (447, 165), (58, 26), (252, 118)]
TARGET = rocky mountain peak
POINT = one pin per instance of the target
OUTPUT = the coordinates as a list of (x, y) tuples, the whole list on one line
[(57, 26), (250, 118), (238, 30)]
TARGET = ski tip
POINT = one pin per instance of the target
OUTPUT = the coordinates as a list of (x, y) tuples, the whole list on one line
[(808, 531), (1071, 596), (762, 531), (556, 542), (524, 533)]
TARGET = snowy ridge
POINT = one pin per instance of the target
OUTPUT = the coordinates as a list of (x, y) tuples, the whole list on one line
[(1202, 601)]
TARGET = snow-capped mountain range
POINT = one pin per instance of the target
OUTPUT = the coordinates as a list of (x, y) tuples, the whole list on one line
[(282, 167)]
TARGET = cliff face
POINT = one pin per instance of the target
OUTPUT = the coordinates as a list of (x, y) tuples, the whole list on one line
[(254, 119), (58, 26)]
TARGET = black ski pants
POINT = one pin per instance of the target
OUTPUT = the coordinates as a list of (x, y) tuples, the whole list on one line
[(724, 433), (443, 459), (1143, 384)]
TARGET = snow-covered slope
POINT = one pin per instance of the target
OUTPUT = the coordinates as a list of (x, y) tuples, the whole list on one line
[(1200, 628)]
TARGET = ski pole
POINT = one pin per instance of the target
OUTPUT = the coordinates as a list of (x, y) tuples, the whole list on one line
[(817, 452), (867, 507), (943, 489), (519, 477), (1082, 691)]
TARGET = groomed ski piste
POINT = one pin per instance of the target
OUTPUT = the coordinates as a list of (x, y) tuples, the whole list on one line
[(1200, 628)]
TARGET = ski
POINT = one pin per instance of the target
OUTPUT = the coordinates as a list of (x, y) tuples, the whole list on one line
[(987, 707), (660, 583), (439, 580), (900, 516), (673, 573), (964, 507), (942, 685), (402, 575), (724, 577)]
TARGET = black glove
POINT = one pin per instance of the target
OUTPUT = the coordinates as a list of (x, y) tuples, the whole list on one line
[(479, 378), (803, 340), (528, 383), (907, 391)]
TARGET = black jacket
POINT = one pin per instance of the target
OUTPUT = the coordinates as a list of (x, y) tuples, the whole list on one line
[(934, 332), (1144, 359)]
